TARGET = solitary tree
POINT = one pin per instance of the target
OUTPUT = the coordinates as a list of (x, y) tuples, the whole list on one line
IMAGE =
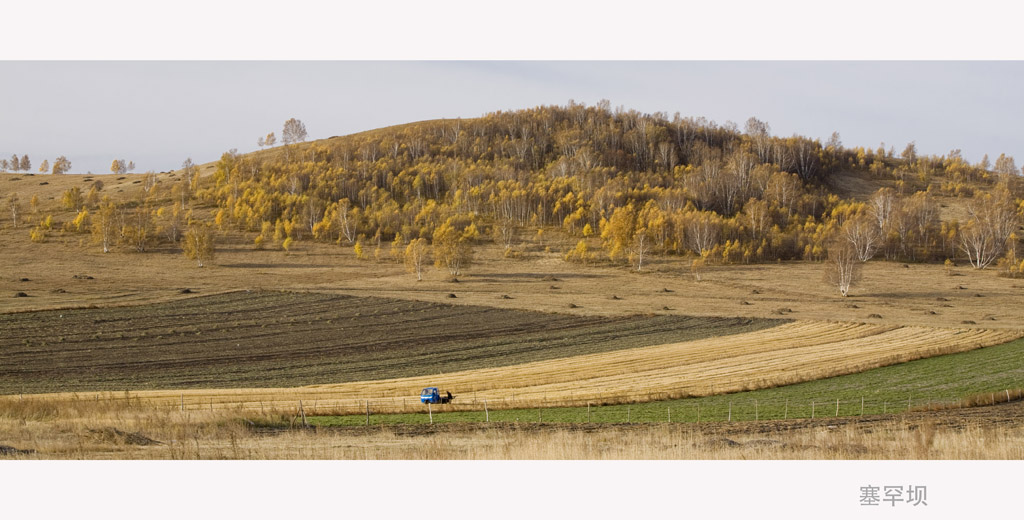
[(198, 243), (294, 131), (843, 268), (61, 165), (190, 173), (416, 257), (271, 140), (104, 224), (452, 248), (15, 206), (862, 233), (138, 228), (118, 166)]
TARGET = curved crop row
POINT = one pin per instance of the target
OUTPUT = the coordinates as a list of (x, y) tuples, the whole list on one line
[(789, 353)]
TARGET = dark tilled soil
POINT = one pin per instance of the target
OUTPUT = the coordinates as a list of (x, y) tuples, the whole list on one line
[(269, 339)]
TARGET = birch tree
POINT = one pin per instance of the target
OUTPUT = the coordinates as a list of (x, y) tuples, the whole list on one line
[(842, 268), (416, 254)]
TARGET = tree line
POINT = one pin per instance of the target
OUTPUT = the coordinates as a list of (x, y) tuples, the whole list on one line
[(620, 184)]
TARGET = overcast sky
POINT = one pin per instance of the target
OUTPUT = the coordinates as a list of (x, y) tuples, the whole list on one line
[(158, 113)]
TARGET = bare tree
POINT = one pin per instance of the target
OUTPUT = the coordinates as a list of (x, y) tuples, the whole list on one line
[(883, 205), (294, 132), (862, 233), (758, 217), (701, 231), (271, 140), (26, 164), (640, 247), (842, 267), (44, 167), (993, 219), (15, 206), (760, 134), (348, 220), (1004, 167), (190, 174)]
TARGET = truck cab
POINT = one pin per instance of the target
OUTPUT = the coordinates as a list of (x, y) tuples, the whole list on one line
[(431, 395)]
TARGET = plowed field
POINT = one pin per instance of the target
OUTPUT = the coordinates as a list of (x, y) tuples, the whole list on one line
[(281, 339)]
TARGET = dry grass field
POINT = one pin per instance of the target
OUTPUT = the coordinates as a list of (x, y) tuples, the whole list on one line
[(130, 430), (900, 294)]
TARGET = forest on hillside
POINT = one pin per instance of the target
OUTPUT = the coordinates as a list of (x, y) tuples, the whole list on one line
[(620, 184)]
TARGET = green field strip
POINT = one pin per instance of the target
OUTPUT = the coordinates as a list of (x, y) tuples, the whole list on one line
[(940, 379)]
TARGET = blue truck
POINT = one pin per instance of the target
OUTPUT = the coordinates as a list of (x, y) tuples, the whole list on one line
[(432, 395)]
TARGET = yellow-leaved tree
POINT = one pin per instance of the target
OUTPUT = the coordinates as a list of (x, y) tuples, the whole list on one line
[(453, 248), (198, 243), (416, 256)]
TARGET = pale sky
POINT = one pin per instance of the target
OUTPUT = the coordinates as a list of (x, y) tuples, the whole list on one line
[(157, 113)]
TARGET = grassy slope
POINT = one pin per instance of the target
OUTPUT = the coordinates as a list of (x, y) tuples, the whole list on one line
[(888, 389), (269, 338)]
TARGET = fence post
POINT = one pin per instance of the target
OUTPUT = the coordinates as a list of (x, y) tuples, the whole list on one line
[(301, 412), (588, 412), (182, 404), (698, 413), (908, 403), (730, 411), (837, 407), (669, 414), (862, 405), (431, 413), (367, 412), (812, 408), (628, 418), (885, 404), (756, 416), (1007, 395), (487, 414), (786, 413)]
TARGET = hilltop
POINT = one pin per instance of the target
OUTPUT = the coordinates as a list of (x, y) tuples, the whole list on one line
[(544, 192)]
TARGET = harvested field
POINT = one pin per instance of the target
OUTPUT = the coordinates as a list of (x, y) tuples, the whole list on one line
[(269, 338), (789, 353)]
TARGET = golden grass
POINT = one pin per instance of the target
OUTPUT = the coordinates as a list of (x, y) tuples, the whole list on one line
[(790, 353), (84, 429)]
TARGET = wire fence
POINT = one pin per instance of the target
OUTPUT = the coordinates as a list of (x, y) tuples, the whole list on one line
[(391, 410)]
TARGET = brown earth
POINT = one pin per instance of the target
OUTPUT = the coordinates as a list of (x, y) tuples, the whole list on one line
[(271, 338)]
